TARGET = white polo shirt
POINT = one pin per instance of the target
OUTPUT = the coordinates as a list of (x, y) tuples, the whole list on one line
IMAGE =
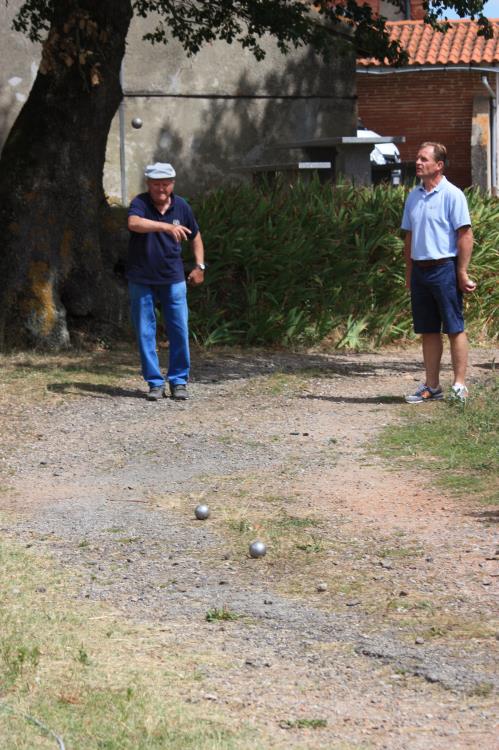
[(434, 218)]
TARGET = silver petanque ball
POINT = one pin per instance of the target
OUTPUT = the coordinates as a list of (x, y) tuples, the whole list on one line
[(202, 512), (136, 123), (257, 549)]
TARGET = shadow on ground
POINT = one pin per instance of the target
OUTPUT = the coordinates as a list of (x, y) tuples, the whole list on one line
[(357, 399), (221, 365), (92, 389), (486, 516)]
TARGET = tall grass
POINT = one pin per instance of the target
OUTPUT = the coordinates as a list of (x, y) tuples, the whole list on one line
[(296, 264)]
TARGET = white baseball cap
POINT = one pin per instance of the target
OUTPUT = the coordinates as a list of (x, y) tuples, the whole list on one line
[(159, 171)]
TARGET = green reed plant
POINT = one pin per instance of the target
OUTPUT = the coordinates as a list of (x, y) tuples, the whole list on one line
[(291, 264)]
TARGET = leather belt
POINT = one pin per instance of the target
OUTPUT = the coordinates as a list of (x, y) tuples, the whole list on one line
[(431, 263)]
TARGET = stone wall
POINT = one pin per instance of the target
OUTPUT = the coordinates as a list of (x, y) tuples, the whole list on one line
[(222, 110), (210, 115)]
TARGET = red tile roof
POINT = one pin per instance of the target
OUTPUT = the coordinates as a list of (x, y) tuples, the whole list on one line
[(460, 45)]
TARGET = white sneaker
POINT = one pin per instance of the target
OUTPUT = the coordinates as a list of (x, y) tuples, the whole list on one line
[(459, 393)]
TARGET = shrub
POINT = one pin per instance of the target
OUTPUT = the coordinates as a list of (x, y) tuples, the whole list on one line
[(294, 264)]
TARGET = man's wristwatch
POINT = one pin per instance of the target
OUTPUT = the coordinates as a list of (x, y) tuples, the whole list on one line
[(201, 266)]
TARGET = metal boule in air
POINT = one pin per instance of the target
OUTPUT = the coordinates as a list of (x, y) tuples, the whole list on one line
[(137, 123), (257, 549), (201, 512)]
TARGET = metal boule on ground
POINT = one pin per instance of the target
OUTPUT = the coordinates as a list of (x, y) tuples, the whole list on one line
[(257, 549), (201, 512)]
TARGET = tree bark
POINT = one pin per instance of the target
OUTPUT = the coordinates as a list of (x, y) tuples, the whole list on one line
[(55, 259)]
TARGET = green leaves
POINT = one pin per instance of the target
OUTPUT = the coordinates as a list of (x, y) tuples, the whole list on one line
[(297, 262), (292, 23), (294, 264)]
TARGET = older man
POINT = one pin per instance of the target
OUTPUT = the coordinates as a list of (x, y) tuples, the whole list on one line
[(438, 247), (159, 220)]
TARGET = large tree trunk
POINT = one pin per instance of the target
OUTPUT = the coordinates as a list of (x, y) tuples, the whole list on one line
[(54, 259)]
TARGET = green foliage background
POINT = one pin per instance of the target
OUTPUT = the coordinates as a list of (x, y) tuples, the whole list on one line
[(296, 264)]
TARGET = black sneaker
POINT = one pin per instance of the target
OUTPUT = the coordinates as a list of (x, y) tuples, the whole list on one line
[(179, 392), (156, 392)]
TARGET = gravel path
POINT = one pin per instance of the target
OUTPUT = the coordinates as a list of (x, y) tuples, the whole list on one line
[(107, 483)]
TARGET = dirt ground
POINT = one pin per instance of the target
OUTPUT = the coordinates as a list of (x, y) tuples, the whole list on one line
[(370, 621)]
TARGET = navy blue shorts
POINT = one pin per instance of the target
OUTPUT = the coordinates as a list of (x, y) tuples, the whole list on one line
[(437, 301)]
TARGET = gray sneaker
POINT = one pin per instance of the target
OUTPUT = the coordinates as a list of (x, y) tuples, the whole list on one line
[(179, 392), (156, 392), (424, 393)]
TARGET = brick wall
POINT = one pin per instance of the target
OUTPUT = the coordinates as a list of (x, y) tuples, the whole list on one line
[(392, 11), (417, 10), (423, 106)]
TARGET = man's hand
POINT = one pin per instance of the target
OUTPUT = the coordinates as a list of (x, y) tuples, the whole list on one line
[(466, 285), (196, 277), (177, 231)]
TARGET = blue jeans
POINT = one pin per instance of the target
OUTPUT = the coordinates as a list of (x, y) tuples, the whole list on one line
[(173, 301)]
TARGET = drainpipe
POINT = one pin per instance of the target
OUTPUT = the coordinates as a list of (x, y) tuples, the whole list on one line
[(121, 116), (496, 135), (493, 127)]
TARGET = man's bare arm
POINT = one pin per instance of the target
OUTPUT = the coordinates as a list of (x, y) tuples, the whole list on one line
[(143, 226), (196, 276), (408, 260), (464, 251)]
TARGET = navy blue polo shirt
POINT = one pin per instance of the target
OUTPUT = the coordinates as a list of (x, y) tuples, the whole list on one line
[(155, 257)]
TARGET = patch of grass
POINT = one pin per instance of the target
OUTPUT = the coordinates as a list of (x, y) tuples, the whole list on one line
[(459, 629), (314, 546), (284, 532), (278, 383), (398, 605), (424, 604), (293, 522), (400, 552), (77, 671), (225, 439), (350, 587), (402, 604), (82, 656), (304, 723), (243, 526), (482, 690), (128, 539), (17, 658), (215, 615), (457, 445)]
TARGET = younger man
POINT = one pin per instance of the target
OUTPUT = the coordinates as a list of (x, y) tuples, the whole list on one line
[(438, 246)]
